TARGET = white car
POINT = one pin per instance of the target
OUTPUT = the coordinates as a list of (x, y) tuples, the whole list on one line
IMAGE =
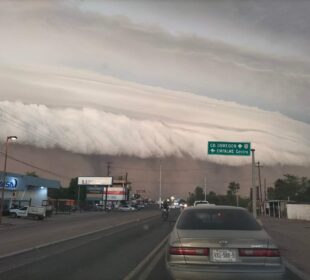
[(37, 212), (199, 202), (126, 208)]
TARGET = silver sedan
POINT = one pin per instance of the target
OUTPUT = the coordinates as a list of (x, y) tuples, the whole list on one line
[(221, 242)]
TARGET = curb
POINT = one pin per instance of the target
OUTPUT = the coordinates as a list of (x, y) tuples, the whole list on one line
[(73, 237)]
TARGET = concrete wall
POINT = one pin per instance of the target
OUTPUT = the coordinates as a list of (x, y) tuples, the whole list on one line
[(298, 211), (36, 196)]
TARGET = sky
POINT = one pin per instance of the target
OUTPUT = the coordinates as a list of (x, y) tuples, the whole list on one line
[(157, 78)]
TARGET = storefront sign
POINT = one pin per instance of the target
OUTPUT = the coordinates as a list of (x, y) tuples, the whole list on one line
[(114, 194), (10, 183), (105, 181)]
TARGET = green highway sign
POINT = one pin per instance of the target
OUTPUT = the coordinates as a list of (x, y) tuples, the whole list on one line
[(229, 148)]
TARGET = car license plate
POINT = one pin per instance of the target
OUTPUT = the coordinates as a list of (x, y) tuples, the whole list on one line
[(224, 255)]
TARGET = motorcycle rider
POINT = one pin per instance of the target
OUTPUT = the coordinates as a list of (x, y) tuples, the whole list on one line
[(165, 209), (166, 205)]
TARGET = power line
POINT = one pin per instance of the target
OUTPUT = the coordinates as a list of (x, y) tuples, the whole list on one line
[(109, 172), (164, 169), (187, 182), (36, 167)]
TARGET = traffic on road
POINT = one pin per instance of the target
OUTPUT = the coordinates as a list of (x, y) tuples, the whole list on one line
[(198, 242), (153, 140)]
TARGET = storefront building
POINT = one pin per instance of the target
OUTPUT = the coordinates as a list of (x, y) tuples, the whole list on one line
[(119, 191), (22, 190)]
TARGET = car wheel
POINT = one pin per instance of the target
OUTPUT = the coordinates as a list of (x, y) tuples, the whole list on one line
[(13, 215)]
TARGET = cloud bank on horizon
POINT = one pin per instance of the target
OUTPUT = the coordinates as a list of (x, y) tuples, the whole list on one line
[(99, 77)]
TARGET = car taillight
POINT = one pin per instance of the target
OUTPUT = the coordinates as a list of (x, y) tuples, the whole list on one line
[(189, 251), (257, 252)]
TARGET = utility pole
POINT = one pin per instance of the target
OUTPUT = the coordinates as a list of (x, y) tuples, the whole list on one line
[(253, 184), (265, 189), (260, 185), (107, 187), (127, 190), (108, 168), (79, 197), (4, 174)]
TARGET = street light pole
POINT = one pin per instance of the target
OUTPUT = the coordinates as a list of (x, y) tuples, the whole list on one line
[(160, 185), (205, 181), (4, 174)]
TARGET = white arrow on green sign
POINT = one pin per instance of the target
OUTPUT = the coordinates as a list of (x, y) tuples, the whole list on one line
[(229, 148)]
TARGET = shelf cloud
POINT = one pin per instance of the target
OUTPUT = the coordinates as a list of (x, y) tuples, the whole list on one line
[(115, 117), (102, 77)]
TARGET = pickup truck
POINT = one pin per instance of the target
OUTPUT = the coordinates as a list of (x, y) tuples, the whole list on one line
[(36, 212)]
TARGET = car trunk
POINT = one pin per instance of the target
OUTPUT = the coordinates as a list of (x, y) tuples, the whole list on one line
[(224, 246)]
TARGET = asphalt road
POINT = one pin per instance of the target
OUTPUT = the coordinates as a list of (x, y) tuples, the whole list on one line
[(22, 234), (116, 253), (159, 272), (109, 255)]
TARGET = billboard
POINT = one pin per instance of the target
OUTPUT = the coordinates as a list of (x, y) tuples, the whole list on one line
[(114, 193), (103, 181)]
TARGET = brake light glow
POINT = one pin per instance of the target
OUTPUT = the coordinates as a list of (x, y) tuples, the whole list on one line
[(189, 251), (259, 253)]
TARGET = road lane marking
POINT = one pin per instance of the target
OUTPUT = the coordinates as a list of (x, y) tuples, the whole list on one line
[(152, 258), (144, 275), (77, 236), (295, 270)]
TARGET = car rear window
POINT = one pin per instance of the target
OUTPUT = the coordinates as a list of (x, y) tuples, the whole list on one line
[(217, 219)]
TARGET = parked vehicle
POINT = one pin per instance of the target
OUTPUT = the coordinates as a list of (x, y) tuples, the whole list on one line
[(100, 207), (38, 212), (126, 208), (138, 206), (221, 242)]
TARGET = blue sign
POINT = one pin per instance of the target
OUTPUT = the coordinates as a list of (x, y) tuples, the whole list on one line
[(10, 183), (95, 189)]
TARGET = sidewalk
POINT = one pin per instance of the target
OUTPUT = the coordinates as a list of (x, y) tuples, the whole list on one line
[(22, 234), (293, 239)]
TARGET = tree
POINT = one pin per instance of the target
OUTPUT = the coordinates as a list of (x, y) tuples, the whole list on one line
[(71, 192), (232, 191), (291, 187), (191, 199), (213, 198), (197, 195), (233, 188), (32, 173)]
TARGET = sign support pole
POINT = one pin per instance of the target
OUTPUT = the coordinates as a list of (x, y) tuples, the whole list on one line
[(106, 199), (79, 198), (253, 184)]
